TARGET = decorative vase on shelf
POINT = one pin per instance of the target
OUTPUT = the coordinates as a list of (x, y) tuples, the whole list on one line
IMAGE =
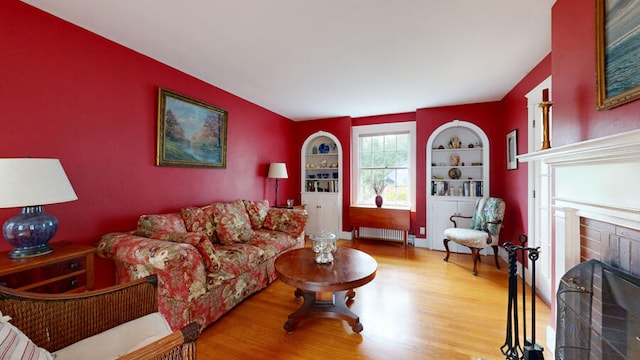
[(378, 201)]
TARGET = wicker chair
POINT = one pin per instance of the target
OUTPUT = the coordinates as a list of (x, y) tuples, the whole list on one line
[(54, 321)]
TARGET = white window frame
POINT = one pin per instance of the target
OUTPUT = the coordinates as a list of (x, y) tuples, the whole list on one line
[(382, 129)]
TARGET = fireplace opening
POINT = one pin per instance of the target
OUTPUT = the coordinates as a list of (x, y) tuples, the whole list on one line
[(598, 314)]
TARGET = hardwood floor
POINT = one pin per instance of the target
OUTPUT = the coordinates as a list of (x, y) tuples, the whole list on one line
[(417, 307)]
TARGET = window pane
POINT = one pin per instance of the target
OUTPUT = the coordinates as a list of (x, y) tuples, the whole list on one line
[(366, 160), (390, 159), (403, 143), (402, 160), (378, 159), (390, 142), (365, 144), (377, 143), (402, 177)]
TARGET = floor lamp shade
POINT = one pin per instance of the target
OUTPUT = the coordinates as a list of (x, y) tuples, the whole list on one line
[(277, 171), (30, 184)]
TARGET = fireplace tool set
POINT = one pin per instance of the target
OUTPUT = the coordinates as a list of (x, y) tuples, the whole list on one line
[(512, 349)]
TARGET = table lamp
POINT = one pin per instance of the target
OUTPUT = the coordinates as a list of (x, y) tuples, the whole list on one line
[(277, 171), (30, 184)]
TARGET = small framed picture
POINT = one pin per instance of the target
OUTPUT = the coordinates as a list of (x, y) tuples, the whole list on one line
[(512, 149)]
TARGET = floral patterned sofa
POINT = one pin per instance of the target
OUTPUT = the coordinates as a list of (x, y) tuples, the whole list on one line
[(208, 259)]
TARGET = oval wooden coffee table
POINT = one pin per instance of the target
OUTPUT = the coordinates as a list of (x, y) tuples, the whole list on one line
[(325, 287)]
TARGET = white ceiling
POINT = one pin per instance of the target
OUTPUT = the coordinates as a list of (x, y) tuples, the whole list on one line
[(317, 59)]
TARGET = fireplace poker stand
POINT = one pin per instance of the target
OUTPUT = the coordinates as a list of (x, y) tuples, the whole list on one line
[(512, 349)]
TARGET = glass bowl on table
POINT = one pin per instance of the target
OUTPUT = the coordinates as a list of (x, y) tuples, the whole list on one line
[(323, 244)]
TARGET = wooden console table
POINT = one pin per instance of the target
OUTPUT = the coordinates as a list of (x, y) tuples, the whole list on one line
[(69, 268), (394, 218)]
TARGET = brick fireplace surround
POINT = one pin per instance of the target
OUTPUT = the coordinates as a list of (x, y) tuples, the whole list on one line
[(595, 198)]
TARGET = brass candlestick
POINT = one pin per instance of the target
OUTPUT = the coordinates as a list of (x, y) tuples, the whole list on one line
[(545, 106)]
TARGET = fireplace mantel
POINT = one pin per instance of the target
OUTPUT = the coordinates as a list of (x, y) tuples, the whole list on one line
[(599, 175), (623, 146), (597, 179)]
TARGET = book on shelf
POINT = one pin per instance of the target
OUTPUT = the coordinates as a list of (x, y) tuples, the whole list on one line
[(471, 188)]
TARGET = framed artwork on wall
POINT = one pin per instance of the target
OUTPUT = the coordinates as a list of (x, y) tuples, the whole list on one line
[(190, 133), (617, 52), (512, 149)]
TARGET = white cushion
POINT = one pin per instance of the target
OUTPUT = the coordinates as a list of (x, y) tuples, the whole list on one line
[(467, 237), (119, 340), (15, 345)]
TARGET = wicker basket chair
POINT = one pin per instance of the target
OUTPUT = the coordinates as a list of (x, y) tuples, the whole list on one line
[(54, 321)]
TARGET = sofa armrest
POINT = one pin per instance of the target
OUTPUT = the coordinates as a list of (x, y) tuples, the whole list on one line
[(288, 221), (180, 268)]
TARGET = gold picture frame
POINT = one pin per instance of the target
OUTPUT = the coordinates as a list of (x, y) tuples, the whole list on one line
[(617, 38), (191, 133)]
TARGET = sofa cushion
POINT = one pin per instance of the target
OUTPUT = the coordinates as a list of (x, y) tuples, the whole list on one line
[(272, 242), (235, 259), (199, 240), (118, 341), (257, 211), (196, 220), (291, 222), (149, 224), (232, 222), (14, 344)]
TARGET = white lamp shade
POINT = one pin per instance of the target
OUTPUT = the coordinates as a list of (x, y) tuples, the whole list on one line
[(278, 171), (33, 182)]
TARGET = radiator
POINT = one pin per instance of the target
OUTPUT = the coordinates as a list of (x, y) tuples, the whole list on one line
[(381, 234)]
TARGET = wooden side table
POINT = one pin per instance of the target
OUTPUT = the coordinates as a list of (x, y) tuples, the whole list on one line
[(381, 218), (69, 268)]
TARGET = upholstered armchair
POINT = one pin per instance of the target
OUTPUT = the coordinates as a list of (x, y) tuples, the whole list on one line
[(121, 322), (484, 232)]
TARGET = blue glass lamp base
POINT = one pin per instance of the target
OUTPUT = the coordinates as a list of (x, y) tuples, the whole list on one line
[(25, 253), (30, 232)]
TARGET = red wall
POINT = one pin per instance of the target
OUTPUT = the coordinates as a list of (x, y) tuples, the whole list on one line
[(575, 115), (512, 185), (69, 94), (572, 65), (484, 115), (341, 129), (384, 119)]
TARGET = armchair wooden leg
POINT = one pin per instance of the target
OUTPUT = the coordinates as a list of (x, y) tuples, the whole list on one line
[(475, 252), (446, 246), (495, 255)]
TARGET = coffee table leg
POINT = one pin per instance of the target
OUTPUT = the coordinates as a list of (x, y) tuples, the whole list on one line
[(341, 310), (317, 305), (350, 295), (302, 312)]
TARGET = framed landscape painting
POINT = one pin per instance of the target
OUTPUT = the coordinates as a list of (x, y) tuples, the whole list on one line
[(190, 133), (617, 52)]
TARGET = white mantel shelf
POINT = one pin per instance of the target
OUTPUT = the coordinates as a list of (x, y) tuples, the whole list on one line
[(623, 146)]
